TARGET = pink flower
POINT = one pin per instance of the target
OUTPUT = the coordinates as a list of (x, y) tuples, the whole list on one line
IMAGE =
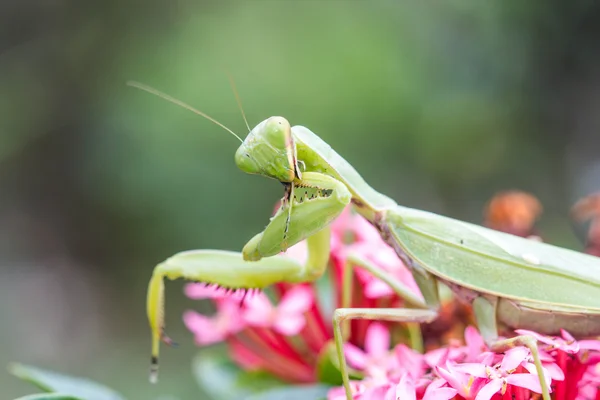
[(407, 361), (374, 360), (406, 390), (210, 330), (566, 343), (474, 350), (287, 317), (503, 374), (350, 228), (465, 384)]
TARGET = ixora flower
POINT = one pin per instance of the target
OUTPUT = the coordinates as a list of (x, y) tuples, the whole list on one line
[(286, 331)]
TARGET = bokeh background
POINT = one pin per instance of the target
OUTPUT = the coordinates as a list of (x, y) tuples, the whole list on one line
[(437, 104)]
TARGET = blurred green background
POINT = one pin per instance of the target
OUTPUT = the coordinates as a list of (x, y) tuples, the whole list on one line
[(437, 104)]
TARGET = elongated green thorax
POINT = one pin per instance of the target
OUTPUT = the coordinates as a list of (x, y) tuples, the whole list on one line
[(269, 150)]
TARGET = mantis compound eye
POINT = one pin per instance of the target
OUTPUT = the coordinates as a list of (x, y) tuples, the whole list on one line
[(269, 150), (246, 162)]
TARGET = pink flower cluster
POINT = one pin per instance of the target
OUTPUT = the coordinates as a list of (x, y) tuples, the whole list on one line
[(284, 333), (258, 332), (471, 371)]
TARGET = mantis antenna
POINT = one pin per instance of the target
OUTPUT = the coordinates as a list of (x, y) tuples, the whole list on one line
[(239, 102), (180, 103)]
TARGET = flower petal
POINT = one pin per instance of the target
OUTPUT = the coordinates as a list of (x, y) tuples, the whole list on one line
[(204, 328), (567, 336), (364, 230), (445, 393), (377, 339), (537, 336), (489, 390), (289, 325), (409, 360), (406, 389), (298, 252), (355, 357), (475, 343), (297, 300), (437, 357), (568, 345), (514, 357), (196, 322), (530, 367), (376, 391), (555, 372), (376, 288), (436, 384), (258, 311), (198, 291), (527, 381), (455, 379), (486, 358), (474, 369), (589, 345)]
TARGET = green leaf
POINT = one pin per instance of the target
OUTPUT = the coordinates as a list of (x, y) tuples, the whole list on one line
[(49, 396), (54, 382), (258, 380), (222, 379), (299, 392)]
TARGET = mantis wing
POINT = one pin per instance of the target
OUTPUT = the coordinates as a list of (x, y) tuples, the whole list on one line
[(497, 263)]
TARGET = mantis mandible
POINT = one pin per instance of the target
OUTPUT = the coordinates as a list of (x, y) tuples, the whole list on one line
[(506, 279)]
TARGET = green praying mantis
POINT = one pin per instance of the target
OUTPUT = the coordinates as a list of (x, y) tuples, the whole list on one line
[(508, 280)]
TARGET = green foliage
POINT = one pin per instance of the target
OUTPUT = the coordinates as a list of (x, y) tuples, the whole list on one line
[(222, 379), (49, 396), (327, 366), (299, 392), (77, 388)]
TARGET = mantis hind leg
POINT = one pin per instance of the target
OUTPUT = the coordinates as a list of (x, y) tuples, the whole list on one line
[(423, 313), (485, 314), (409, 297), (383, 314)]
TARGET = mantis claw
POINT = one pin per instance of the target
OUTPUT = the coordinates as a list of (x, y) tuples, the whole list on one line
[(168, 341)]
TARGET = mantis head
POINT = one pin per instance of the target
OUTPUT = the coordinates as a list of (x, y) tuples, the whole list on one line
[(269, 150)]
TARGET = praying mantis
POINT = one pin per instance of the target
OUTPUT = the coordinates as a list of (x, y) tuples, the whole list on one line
[(508, 280)]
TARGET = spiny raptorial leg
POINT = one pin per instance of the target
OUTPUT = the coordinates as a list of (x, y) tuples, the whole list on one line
[(287, 200)]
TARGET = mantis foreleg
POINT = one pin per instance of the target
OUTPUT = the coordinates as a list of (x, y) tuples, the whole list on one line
[(286, 203), (230, 270), (318, 200)]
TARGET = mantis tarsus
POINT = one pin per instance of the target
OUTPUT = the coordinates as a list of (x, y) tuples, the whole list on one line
[(507, 279)]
